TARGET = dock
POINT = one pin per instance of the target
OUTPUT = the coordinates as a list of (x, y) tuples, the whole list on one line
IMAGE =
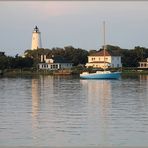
[(62, 72)]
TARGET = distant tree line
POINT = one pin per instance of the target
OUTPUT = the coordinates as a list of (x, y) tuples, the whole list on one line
[(8, 62), (131, 57), (78, 56), (75, 55)]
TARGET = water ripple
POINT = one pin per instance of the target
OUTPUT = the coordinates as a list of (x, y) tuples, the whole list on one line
[(67, 111)]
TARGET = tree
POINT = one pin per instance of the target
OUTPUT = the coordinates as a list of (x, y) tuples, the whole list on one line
[(76, 56), (3, 62)]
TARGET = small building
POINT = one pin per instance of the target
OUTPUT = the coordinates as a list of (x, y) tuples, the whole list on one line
[(98, 60), (143, 63), (54, 63)]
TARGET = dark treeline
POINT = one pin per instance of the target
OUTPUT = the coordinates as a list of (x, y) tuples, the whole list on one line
[(75, 55), (129, 57), (8, 62), (78, 56)]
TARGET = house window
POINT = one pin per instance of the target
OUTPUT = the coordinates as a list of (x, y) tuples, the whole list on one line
[(53, 66), (106, 58), (92, 59)]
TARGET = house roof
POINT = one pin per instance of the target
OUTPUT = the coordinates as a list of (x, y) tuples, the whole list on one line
[(107, 53), (144, 60), (59, 59)]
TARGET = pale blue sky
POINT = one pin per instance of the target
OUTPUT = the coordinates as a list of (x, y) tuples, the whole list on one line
[(76, 23)]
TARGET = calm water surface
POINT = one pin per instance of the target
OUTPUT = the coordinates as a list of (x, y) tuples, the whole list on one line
[(68, 111)]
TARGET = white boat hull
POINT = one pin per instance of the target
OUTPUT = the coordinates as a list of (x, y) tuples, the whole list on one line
[(101, 75)]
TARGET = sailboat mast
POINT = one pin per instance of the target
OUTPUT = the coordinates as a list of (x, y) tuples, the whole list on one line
[(104, 47)]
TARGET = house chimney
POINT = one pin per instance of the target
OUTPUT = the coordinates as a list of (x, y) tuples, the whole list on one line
[(44, 57), (42, 60)]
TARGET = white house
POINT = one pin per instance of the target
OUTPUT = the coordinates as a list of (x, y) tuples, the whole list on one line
[(144, 63), (54, 63), (98, 60)]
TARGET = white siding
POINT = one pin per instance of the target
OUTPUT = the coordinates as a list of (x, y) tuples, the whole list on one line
[(36, 40), (115, 61), (55, 66)]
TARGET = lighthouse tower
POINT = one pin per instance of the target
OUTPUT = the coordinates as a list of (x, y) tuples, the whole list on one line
[(36, 39)]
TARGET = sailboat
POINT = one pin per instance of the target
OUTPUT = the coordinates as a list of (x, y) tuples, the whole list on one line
[(105, 74)]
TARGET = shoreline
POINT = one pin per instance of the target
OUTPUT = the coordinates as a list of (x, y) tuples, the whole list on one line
[(20, 72)]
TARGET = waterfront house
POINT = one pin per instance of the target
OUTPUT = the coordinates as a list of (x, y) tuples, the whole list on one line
[(54, 63), (104, 59), (143, 63)]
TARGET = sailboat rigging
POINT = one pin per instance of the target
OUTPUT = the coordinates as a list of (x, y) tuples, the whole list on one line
[(102, 74), (104, 47)]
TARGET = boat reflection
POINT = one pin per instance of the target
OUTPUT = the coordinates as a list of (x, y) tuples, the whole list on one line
[(99, 97)]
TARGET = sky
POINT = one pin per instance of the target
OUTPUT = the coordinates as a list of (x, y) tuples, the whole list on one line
[(75, 23)]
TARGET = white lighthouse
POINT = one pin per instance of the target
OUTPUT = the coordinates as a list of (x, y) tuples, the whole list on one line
[(36, 39)]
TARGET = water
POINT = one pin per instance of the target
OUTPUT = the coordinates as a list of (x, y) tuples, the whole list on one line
[(68, 111)]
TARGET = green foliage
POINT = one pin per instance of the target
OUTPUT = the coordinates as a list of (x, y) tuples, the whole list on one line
[(74, 55), (78, 56), (3, 62), (7, 62), (132, 57), (92, 52)]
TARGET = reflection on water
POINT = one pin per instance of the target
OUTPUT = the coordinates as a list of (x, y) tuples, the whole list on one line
[(68, 111), (99, 102), (143, 77), (35, 106)]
